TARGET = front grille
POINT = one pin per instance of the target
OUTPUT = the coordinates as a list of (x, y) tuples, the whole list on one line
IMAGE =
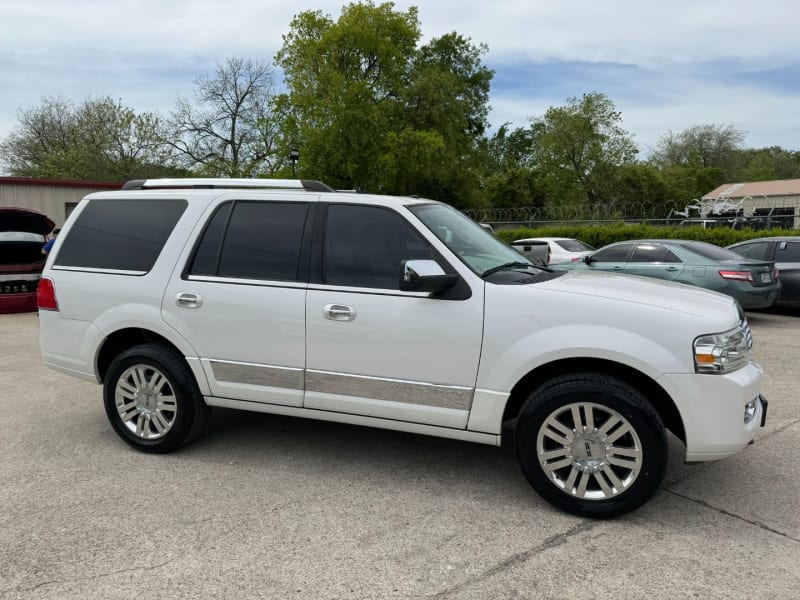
[(746, 330), (18, 287)]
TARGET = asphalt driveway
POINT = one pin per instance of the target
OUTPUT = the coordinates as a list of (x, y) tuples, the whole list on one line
[(274, 507)]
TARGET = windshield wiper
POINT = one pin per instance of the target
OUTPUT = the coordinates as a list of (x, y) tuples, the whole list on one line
[(507, 266)]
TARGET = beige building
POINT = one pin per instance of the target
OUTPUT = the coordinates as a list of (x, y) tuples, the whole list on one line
[(780, 198), (53, 197)]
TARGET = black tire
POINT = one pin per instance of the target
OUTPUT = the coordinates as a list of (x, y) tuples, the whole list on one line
[(605, 399), (180, 411)]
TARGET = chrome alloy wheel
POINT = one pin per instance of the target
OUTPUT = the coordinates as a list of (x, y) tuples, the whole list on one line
[(146, 402), (589, 451)]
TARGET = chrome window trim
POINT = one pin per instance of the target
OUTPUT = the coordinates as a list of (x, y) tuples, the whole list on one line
[(93, 270), (321, 287), (274, 283)]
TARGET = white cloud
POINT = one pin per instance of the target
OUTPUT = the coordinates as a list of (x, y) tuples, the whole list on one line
[(147, 51)]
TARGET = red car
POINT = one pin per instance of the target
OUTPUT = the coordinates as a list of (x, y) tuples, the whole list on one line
[(22, 234)]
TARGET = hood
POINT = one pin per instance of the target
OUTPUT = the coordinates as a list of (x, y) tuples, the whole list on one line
[(25, 220), (645, 290)]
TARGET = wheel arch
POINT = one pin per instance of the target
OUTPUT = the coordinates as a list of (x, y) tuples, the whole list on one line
[(659, 398), (121, 340)]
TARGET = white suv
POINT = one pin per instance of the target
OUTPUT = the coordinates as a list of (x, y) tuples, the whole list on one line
[(286, 297)]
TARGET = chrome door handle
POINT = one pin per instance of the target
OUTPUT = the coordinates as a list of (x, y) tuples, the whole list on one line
[(338, 312), (185, 300)]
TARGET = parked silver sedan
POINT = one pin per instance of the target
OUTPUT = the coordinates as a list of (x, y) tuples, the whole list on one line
[(754, 283)]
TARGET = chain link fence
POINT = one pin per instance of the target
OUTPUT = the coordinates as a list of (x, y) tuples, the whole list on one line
[(533, 216)]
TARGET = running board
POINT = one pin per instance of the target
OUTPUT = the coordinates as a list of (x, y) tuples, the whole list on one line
[(323, 415)]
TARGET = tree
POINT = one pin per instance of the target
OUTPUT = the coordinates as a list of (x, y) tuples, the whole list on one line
[(769, 163), (342, 79), (578, 147), (706, 146), (371, 111), (95, 140), (233, 129)]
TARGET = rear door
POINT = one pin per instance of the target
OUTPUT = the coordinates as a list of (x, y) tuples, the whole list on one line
[(241, 298), (654, 260)]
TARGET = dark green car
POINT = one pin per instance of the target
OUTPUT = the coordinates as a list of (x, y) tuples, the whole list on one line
[(754, 283)]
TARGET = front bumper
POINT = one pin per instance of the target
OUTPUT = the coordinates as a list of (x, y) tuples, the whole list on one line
[(712, 410)]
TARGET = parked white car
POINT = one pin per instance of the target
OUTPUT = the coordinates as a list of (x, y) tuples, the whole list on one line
[(285, 297), (559, 249)]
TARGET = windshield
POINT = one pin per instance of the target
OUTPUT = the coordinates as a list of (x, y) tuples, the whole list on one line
[(475, 246), (574, 246)]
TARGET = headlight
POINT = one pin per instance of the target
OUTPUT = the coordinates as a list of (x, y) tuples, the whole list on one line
[(723, 352)]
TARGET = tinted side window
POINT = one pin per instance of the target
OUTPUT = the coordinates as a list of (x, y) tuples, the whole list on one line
[(613, 254), (206, 257), (262, 241), (125, 235), (364, 246), (648, 253), (791, 252), (756, 250)]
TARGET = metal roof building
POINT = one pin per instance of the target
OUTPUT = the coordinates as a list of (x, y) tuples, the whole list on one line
[(759, 198), (774, 198), (54, 197)]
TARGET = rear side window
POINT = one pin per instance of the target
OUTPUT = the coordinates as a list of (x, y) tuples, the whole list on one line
[(120, 235), (756, 250), (252, 240), (788, 252), (651, 253)]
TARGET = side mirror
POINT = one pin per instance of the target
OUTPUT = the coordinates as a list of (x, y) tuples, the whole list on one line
[(425, 276), (588, 259)]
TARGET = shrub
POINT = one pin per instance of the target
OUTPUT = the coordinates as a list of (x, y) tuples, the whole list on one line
[(600, 235)]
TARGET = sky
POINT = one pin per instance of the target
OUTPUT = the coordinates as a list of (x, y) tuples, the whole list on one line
[(667, 65)]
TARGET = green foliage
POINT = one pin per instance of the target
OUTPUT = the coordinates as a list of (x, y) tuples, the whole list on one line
[(516, 187), (579, 146), (600, 235), (706, 146), (95, 140), (769, 163), (371, 111)]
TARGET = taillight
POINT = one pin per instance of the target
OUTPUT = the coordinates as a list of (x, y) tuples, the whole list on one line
[(738, 275), (46, 295), (775, 274)]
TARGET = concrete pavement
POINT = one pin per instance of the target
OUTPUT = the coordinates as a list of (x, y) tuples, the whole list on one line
[(265, 506)]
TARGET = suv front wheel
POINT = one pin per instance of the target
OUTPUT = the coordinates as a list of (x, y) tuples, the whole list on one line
[(152, 400), (591, 444)]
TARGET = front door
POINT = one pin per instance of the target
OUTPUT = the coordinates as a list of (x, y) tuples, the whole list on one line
[(374, 350)]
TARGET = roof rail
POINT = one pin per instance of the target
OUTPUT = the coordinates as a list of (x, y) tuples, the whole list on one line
[(308, 185)]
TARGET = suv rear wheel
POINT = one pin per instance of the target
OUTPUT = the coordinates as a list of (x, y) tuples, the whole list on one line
[(152, 399), (591, 445)]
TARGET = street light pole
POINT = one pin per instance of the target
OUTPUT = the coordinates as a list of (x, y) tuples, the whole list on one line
[(294, 156)]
